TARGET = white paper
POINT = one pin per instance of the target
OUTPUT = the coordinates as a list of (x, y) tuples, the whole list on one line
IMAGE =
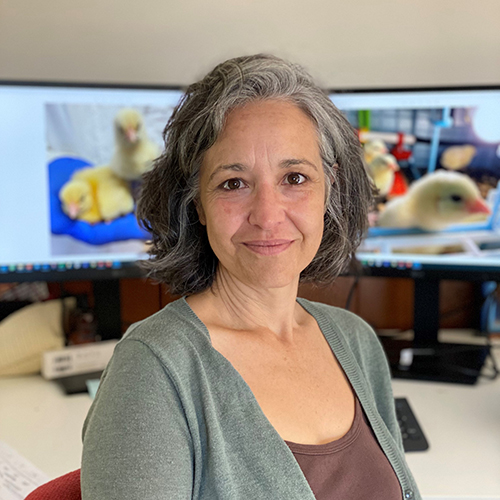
[(18, 476)]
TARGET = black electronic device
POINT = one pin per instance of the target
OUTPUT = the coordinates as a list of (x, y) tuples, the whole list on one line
[(76, 384), (53, 228), (413, 436), (448, 141)]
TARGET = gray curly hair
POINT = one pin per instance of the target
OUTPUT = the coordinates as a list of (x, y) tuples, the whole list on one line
[(180, 254)]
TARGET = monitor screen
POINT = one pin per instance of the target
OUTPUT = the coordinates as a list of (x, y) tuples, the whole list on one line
[(434, 156), (71, 160)]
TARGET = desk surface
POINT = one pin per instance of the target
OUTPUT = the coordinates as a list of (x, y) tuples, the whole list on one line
[(462, 424), (42, 423)]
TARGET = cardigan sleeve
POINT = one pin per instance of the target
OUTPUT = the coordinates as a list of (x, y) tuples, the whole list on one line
[(136, 441)]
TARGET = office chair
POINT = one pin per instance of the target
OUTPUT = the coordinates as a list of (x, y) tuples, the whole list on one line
[(65, 487)]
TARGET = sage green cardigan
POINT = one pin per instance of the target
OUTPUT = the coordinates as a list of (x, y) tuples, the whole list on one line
[(173, 419)]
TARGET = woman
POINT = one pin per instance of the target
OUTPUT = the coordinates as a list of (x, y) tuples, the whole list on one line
[(239, 390)]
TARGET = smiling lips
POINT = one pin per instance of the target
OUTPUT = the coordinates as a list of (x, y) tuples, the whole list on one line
[(268, 247)]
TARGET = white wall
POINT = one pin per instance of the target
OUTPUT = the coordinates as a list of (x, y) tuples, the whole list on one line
[(343, 43)]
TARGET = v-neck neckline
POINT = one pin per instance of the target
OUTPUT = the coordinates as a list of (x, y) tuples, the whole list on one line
[(352, 370)]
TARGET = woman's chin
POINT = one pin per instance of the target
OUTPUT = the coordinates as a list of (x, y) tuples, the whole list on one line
[(273, 277), (268, 272)]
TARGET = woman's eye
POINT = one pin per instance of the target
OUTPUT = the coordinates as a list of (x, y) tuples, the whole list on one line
[(232, 184), (294, 178)]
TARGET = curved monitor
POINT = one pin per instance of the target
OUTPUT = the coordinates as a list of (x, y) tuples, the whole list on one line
[(438, 205), (71, 158)]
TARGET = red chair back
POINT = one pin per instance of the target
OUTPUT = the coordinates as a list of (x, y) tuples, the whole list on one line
[(66, 487)]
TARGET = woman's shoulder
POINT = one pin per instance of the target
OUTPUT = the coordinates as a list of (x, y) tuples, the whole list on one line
[(346, 322), (169, 332), (352, 331)]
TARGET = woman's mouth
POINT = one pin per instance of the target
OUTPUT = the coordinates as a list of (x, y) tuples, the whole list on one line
[(268, 247)]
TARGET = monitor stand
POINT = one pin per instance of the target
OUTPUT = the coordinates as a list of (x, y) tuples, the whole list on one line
[(108, 319), (425, 358), (107, 308)]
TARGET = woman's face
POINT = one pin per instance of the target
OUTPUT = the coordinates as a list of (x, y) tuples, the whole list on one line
[(262, 194)]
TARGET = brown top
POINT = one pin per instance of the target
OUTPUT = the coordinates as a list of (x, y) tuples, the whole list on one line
[(352, 467)]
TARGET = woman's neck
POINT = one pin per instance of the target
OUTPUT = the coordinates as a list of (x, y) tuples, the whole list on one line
[(232, 304)]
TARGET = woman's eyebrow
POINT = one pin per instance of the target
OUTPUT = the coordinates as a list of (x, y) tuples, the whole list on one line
[(235, 167), (300, 161)]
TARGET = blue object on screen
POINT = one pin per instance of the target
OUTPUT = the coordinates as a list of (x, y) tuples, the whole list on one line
[(123, 228)]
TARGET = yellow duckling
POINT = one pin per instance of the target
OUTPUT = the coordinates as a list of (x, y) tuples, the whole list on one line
[(98, 194), (78, 201)]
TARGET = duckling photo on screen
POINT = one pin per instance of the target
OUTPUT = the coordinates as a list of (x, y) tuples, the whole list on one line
[(96, 157), (436, 172)]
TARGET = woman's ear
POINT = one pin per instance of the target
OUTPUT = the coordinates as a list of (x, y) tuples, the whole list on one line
[(201, 212)]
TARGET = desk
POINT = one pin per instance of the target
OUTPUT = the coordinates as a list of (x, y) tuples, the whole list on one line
[(41, 423), (462, 424)]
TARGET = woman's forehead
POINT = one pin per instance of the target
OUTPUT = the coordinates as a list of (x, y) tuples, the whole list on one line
[(277, 128), (268, 111)]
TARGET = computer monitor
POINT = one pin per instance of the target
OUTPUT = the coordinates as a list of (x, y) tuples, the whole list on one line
[(71, 158), (54, 134), (437, 211)]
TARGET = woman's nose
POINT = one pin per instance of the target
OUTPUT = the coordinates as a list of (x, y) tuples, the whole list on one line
[(267, 207)]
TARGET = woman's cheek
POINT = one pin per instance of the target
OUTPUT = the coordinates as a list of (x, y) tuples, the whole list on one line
[(232, 206)]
